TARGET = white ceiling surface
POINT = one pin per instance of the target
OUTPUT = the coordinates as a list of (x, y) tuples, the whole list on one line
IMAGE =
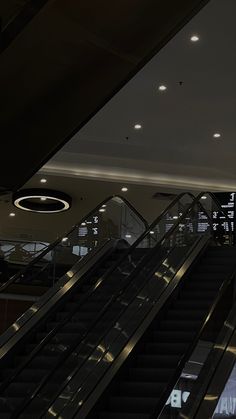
[(175, 146)]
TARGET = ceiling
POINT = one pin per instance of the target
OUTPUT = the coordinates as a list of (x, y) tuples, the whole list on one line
[(175, 146), (61, 61)]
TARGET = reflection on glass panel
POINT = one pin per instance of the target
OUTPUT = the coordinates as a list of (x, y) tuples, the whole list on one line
[(226, 407)]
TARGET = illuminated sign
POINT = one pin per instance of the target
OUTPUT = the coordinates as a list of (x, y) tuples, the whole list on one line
[(177, 398)]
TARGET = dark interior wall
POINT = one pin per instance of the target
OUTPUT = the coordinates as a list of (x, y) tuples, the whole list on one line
[(65, 65)]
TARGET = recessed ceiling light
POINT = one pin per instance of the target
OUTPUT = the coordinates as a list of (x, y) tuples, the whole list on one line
[(128, 236), (152, 232), (137, 126), (43, 198), (12, 214), (104, 206), (175, 217), (43, 180), (194, 38), (83, 224), (124, 189), (204, 197), (216, 135), (64, 239), (162, 88), (102, 210)]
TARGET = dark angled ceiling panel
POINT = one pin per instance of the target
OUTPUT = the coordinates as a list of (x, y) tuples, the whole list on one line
[(70, 59)]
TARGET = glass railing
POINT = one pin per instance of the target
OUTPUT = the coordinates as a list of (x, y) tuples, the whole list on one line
[(114, 219), (21, 251)]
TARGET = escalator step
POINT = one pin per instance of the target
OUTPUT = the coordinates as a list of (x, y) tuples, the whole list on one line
[(183, 314), (84, 315), (157, 361), (166, 348), (150, 374), (32, 374), (72, 328), (182, 304), (61, 315), (19, 388), (143, 389), (108, 415), (183, 325), (173, 336), (9, 404), (206, 285), (216, 268), (133, 404), (44, 362), (92, 306), (200, 294), (71, 306), (202, 277)]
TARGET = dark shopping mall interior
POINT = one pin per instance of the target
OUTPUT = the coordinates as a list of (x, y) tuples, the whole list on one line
[(118, 209)]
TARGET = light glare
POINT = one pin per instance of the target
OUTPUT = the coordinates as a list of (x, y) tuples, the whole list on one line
[(162, 88), (194, 38)]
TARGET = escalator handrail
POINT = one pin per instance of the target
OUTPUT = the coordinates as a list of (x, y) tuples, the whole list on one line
[(188, 353), (11, 280), (70, 350)]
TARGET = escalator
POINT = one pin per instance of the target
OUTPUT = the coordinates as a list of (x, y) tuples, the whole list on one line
[(144, 377), (63, 358)]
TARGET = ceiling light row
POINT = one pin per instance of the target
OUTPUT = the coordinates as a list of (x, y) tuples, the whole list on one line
[(139, 126)]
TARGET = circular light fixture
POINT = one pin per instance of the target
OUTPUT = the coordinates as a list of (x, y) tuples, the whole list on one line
[(43, 180), (162, 88), (124, 189), (216, 135), (194, 38), (137, 126), (31, 200), (12, 214)]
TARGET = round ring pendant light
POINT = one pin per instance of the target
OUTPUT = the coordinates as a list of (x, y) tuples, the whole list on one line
[(45, 201)]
